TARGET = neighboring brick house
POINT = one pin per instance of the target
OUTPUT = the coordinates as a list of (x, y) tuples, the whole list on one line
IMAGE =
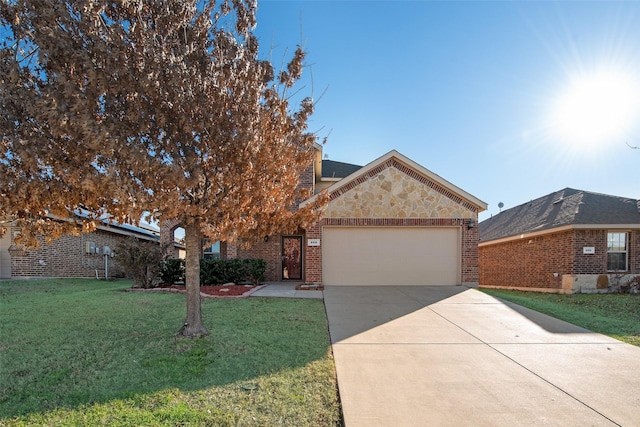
[(567, 241), (86, 255), (391, 222)]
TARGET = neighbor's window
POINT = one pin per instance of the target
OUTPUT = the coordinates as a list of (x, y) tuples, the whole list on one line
[(617, 251), (212, 251)]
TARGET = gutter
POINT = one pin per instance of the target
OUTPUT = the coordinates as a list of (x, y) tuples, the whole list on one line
[(627, 227)]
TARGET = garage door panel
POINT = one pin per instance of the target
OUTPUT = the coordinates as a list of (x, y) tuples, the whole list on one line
[(390, 256)]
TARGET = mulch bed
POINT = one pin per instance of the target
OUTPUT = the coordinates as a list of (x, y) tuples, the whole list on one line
[(222, 291), (226, 291)]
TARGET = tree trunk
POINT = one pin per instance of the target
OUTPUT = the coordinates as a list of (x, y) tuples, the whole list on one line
[(193, 327)]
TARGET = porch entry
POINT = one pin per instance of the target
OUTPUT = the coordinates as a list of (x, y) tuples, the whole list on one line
[(292, 257)]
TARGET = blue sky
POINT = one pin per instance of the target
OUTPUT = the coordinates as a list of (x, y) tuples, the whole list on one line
[(470, 90)]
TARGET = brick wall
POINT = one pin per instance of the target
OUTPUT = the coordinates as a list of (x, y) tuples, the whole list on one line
[(307, 179), (167, 229), (270, 251), (469, 252), (597, 263), (66, 257), (313, 255), (529, 262), (634, 252), (590, 263)]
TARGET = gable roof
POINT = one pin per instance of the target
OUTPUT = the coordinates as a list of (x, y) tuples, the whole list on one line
[(333, 169), (567, 207), (364, 173), (142, 230)]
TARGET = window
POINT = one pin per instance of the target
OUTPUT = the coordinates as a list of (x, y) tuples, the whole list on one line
[(616, 251), (212, 251)]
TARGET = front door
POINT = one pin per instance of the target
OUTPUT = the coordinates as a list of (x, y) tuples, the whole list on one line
[(292, 257)]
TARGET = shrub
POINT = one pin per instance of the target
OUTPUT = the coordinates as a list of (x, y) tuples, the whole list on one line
[(218, 271), (140, 261), (255, 270), (172, 271), (215, 271)]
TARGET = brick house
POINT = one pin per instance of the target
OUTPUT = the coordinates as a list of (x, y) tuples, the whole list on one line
[(389, 222), (567, 241), (86, 255)]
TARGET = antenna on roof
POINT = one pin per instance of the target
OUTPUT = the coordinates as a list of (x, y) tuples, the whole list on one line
[(501, 205)]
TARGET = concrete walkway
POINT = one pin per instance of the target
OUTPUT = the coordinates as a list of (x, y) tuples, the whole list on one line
[(285, 290), (452, 356)]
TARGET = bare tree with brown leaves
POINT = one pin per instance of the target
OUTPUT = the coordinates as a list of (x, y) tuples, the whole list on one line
[(162, 107)]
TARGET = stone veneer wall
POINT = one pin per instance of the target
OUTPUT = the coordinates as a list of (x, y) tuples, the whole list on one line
[(393, 194)]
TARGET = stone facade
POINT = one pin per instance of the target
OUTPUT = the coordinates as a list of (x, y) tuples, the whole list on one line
[(394, 194)]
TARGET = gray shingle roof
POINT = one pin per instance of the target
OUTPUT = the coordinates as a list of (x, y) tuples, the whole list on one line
[(564, 207), (333, 169)]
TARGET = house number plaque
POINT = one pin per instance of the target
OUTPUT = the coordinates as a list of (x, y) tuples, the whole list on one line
[(313, 242), (589, 250)]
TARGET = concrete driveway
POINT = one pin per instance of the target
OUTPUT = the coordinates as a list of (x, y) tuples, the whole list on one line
[(453, 356)]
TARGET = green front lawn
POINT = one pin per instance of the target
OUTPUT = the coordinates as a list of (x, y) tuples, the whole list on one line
[(616, 315), (83, 352)]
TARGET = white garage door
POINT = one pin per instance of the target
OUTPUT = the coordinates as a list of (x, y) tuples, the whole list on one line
[(390, 256)]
